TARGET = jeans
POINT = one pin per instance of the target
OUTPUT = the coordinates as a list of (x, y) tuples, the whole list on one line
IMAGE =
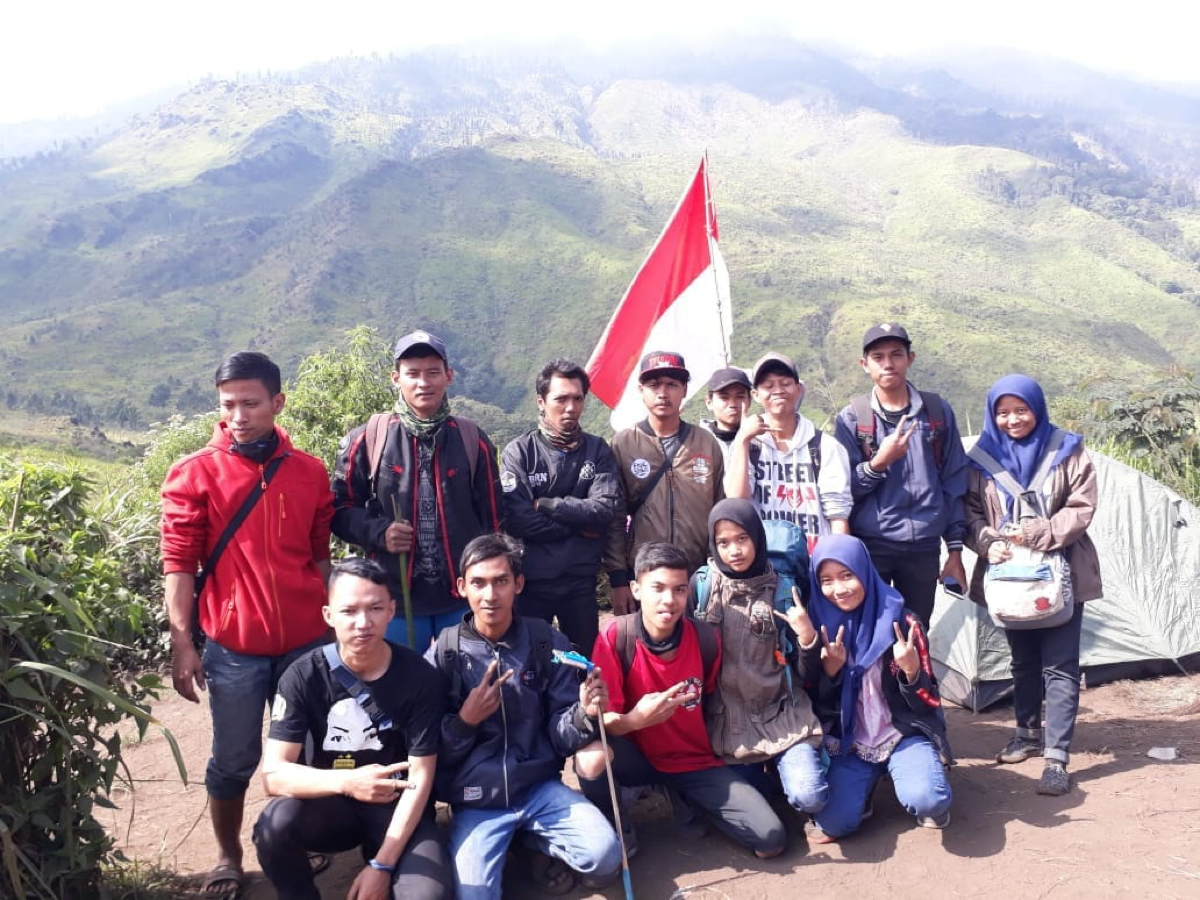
[(729, 800), (572, 600), (801, 774), (917, 775), (240, 687), (425, 628), (289, 827), (1045, 661), (914, 573), (561, 824)]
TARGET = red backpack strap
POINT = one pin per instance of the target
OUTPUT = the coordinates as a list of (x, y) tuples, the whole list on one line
[(864, 424), (376, 436)]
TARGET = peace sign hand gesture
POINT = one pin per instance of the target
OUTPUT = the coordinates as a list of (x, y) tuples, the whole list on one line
[(904, 652), (833, 654), (797, 618)]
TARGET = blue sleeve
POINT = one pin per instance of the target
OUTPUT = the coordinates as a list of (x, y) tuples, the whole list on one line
[(862, 480), (954, 483), (570, 729)]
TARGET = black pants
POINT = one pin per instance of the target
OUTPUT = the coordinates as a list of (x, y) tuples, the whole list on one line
[(290, 827), (914, 573), (729, 800), (573, 600)]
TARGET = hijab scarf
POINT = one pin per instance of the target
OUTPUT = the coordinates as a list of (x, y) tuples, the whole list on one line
[(869, 629), (743, 514), (1020, 458)]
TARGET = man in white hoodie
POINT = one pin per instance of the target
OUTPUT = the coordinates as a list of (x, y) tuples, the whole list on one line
[(780, 462)]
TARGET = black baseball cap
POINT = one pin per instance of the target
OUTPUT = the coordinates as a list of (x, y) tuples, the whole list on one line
[(420, 339), (774, 362), (886, 332), (723, 378), (663, 362)]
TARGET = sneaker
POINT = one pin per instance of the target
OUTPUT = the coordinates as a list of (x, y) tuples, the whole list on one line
[(938, 822), (1019, 749), (1055, 781)]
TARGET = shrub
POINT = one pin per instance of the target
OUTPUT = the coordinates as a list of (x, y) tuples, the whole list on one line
[(64, 610)]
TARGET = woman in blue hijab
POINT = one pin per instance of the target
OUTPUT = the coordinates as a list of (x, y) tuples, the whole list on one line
[(875, 695), (1017, 433)]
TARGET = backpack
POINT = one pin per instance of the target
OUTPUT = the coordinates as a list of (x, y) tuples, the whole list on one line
[(935, 410), (376, 437), (447, 650), (787, 550), (626, 643), (1033, 588)]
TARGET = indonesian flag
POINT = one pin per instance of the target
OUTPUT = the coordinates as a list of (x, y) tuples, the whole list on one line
[(678, 302)]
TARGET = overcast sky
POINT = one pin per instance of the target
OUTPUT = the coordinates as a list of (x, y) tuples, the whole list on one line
[(73, 58)]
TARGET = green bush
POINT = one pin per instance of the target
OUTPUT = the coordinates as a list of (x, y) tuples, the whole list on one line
[(65, 612)]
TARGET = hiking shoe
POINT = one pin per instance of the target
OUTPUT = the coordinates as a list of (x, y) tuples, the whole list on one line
[(938, 822), (1019, 749), (1055, 781)]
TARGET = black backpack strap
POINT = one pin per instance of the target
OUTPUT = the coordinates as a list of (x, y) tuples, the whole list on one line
[(706, 635), (864, 424), (356, 688), (935, 411), (445, 655), (376, 438), (626, 640), (256, 493), (668, 461), (814, 452)]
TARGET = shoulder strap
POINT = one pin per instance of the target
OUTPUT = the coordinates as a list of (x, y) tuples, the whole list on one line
[(445, 655), (935, 409), (626, 641), (864, 424), (469, 432), (256, 492), (814, 452), (543, 648), (997, 471), (355, 688), (376, 438), (668, 460), (706, 635), (1046, 464)]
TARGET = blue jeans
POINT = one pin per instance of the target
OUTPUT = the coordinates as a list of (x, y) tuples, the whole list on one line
[(426, 628), (561, 823), (1045, 664), (917, 775), (240, 687), (801, 773)]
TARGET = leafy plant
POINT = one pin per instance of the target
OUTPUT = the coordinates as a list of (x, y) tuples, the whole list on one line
[(64, 611)]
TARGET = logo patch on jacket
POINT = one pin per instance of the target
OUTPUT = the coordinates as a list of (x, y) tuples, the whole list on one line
[(508, 482), (700, 469), (473, 792), (588, 472), (640, 468)]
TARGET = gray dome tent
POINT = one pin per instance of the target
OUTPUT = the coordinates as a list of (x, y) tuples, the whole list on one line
[(1148, 622)]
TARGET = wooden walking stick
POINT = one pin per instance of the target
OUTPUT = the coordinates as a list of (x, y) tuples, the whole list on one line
[(405, 591)]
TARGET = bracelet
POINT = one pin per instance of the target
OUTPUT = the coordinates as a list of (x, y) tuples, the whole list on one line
[(381, 867)]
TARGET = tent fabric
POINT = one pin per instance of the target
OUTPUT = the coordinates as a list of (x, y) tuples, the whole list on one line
[(1148, 621)]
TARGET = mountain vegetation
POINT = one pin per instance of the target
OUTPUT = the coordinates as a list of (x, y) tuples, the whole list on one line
[(505, 201)]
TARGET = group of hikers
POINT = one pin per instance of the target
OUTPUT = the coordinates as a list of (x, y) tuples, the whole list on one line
[(772, 586)]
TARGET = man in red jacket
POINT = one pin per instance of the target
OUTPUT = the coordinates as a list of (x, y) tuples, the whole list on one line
[(260, 605)]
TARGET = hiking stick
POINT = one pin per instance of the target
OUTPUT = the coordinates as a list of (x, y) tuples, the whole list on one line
[(578, 661), (405, 591)]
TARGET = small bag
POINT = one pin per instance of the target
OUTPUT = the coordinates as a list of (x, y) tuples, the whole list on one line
[(1033, 588), (1030, 590)]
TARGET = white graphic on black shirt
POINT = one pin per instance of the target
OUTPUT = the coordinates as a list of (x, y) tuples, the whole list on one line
[(348, 729)]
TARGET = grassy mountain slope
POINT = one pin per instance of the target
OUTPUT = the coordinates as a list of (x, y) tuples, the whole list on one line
[(508, 209)]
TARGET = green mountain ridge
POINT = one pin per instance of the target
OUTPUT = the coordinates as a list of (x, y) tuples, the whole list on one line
[(507, 208)]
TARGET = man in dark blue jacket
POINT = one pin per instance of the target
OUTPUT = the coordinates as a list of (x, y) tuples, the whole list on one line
[(416, 485), (512, 718), (560, 496), (908, 473)]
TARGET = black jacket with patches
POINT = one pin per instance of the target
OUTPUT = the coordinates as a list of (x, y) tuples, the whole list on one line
[(467, 507), (560, 504)]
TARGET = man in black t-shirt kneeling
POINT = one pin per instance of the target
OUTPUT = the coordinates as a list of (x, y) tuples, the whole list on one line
[(374, 710)]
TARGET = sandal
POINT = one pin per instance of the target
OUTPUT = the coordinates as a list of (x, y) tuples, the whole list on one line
[(225, 881), (551, 876)]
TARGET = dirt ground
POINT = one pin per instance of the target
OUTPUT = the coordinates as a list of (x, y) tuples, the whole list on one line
[(1129, 827)]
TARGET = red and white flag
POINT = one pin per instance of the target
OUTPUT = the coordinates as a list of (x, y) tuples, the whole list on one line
[(678, 301)]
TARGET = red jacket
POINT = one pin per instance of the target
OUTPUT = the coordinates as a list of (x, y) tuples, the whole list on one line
[(266, 594)]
